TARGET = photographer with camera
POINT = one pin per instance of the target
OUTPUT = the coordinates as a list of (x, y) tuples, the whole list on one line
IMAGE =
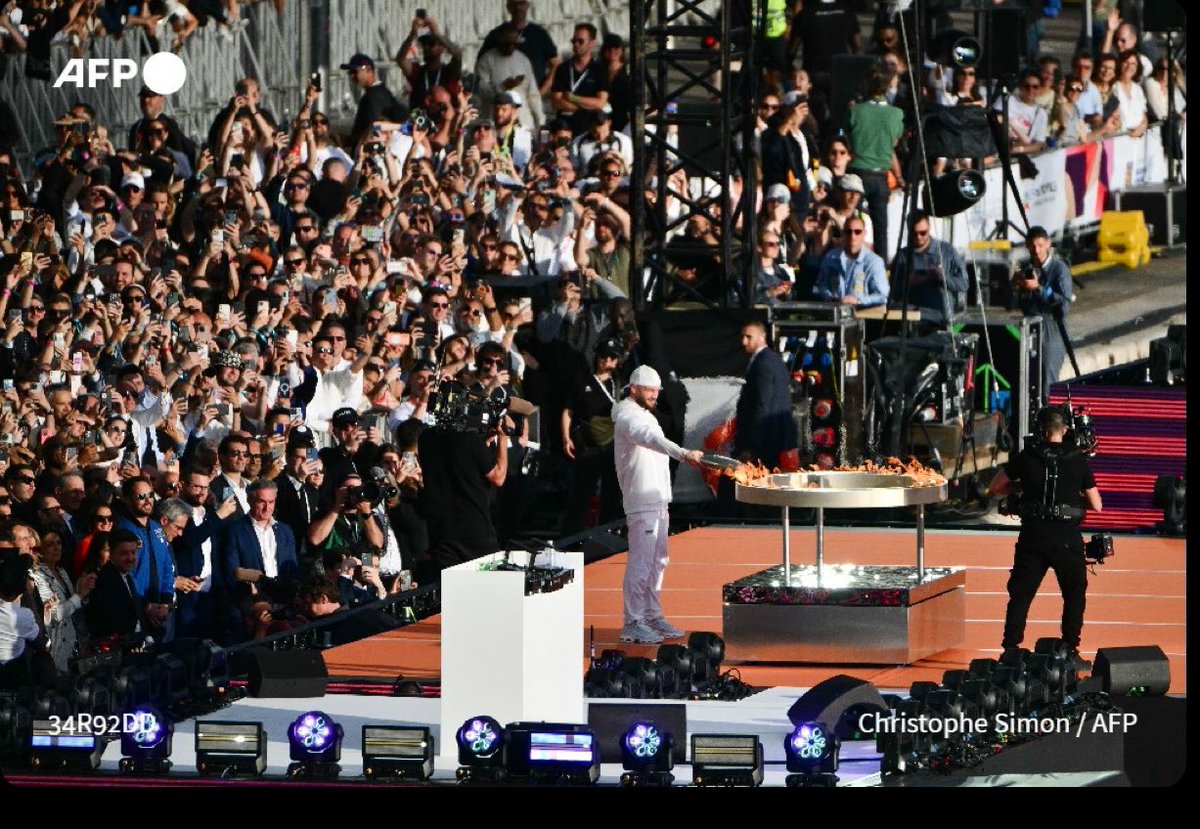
[(1047, 484), (351, 520), (1042, 287), (354, 451)]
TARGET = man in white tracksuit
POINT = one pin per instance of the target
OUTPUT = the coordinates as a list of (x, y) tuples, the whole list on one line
[(643, 469)]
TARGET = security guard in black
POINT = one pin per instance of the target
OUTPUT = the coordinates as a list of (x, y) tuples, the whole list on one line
[(1055, 485)]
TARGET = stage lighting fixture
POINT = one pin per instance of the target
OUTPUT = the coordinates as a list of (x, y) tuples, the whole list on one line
[(646, 756), (54, 748), (552, 753), (954, 679), (480, 751), (131, 688), (727, 760), (812, 756), (675, 670), (169, 678), (397, 751), (641, 676), (16, 723), (980, 696), (955, 191), (92, 695), (230, 748), (951, 47), (146, 738), (982, 668), (1051, 646), (920, 690), (708, 651), (206, 662), (944, 704), (316, 746), (1015, 657), (605, 683)]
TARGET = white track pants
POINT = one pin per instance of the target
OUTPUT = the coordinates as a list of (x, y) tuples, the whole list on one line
[(646, 564)]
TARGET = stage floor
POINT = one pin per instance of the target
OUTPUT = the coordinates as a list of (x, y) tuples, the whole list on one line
[(1136, 599)]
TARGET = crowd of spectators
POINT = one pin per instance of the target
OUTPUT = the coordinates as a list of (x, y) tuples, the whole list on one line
[(220, 349), (34, 26)]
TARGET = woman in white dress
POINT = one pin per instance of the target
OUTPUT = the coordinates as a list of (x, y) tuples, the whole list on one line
[(1128, 90)]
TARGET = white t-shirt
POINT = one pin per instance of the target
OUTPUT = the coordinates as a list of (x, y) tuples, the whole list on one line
[(17, 626), (1031, 119)]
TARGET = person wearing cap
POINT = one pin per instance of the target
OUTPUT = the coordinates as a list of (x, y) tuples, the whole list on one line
[(377, 102), (788, 150), (433, 70), (580, 84), (876, 127), (776, 215), (352, 451), (851, 273), (502, 67), (152, 104), (601, 137), (846, 201), (643, 454), (512, 125), (616, 75), (587, 429)]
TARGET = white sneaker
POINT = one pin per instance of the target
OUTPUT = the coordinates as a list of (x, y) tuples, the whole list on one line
[(640, 632), (661, 625)]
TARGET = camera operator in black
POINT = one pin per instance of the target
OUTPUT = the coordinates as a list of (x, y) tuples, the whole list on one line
[(1042, 287), (1052, 479), (493, 370), (461, 469)]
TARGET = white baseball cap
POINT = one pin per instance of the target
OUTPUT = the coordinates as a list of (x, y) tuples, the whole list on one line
[(646, 377)]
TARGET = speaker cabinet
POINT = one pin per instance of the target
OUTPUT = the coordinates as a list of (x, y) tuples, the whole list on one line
[(1136, 671), (287, 673)]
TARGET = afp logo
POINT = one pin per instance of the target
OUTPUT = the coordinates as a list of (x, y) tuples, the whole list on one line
[(163, 72)]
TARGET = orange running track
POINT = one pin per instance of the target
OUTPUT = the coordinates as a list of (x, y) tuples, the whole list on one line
[(1138, 598)]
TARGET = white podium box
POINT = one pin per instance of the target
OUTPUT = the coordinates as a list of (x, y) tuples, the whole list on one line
[(507, 655)]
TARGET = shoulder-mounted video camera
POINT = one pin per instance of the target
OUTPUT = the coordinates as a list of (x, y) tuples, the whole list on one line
[(461, 409)]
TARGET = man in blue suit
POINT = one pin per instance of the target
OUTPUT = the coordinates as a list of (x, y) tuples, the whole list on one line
[(198, 614), (259, 558), (154, 580), (766, 429)]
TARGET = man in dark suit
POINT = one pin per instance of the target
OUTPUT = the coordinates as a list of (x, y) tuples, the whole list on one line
[(766, 431), (114, 607), (259, 557), (299, 502), (194, 559)]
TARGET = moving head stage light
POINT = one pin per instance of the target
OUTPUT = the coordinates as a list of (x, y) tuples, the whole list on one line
[(316, 746), (646, 756), (480, 751)]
